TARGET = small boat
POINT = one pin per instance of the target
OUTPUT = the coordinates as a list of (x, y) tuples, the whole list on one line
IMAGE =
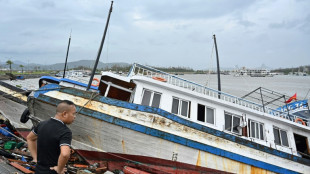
[(20, 77), (141, 164), (179, 120)]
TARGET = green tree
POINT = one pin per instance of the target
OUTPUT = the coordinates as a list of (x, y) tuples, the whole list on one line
[(9, 62), (22, 67)]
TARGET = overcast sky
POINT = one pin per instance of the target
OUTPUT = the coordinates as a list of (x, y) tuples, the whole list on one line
[(158, 32)]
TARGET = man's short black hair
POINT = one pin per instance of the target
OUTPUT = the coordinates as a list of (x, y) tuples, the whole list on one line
[(68, 102), (64, 105)]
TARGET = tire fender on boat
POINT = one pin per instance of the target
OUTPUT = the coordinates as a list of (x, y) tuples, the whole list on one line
[(97, 84), (299, 120), (25, 116)]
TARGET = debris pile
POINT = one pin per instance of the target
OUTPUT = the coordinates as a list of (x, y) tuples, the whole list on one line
[(16, 158)]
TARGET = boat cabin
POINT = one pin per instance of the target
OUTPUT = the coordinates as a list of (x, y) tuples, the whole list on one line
[(287, 132)]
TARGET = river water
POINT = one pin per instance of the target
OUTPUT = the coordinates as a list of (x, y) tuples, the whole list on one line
[(237, 86)]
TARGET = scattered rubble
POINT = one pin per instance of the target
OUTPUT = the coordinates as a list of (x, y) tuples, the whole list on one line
[(15, 157)]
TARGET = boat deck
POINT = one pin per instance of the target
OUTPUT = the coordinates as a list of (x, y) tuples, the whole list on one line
[(149, 72)]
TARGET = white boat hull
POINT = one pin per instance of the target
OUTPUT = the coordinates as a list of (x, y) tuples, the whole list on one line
[(112, 126)]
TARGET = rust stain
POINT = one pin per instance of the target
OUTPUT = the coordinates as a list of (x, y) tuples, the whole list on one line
[(214, 159), (186, 129), (243, 168), (206, 159), (90, 139), (123, 146), (224, 164), (198, 163), (255, 170), (162, 122)]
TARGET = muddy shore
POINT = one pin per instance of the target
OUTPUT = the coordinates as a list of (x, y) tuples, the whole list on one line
[(26, 76)]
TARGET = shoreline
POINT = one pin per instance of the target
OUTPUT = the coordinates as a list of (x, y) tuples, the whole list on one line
[(26, 76)]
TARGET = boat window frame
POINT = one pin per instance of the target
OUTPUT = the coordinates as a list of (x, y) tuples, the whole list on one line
[(259, 129), (151, 98), (280, 136), (206, 115), (180, 107), (232, 122)]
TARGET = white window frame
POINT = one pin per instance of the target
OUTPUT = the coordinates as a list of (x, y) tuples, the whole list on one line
[(256, 123), (152, 95), (232, 122), (281, 143), (180, 107), (205, 115)]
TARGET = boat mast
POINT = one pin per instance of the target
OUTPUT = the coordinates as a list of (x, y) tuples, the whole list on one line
[(100, 49), (218, 68), (63, 76)]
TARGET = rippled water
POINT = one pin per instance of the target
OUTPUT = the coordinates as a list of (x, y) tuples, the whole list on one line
[(239, 86)]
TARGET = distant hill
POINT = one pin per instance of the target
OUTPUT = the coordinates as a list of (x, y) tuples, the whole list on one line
[(60, 66)]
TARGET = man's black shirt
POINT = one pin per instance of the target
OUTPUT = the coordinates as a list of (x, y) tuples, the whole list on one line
[(52, 134)]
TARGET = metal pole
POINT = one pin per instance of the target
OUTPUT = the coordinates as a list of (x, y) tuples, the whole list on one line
[(100, 49), (261, 95), (218, 68), (67, 56)]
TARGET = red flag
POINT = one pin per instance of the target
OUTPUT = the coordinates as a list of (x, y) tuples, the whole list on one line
[(294, 97)]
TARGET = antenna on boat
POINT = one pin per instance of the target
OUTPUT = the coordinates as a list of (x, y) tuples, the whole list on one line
[(218, 68), (63, 76), (100, 49)]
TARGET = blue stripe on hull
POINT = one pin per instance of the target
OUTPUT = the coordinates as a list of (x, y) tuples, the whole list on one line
[(174, 138), (188, 123)]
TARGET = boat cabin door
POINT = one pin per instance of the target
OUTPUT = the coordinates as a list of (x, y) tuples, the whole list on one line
[(302, 146)]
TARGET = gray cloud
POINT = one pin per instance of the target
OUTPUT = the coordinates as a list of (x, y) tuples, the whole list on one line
[(161, 33)]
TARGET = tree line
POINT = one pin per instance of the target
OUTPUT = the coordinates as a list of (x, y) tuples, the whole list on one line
[(305, 69)]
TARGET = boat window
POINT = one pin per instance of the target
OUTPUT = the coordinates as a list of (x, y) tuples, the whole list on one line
[(180, 107), (232, 123), (184, 108), (210, 115), (118, 94), (256, 129), (302, 146), (156, 100), (151, 98), (284, 138), (228, 119), (115, 88), (175, 106), (280, 137), (146, 97), (205, 114)]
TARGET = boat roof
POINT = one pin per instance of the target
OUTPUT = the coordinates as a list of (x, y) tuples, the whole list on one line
[(148, 74), (56, 80)]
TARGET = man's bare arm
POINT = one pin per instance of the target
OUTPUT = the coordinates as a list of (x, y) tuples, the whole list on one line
[(32, 145), (64, 156)]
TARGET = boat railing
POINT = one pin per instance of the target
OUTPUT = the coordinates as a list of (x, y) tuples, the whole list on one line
[(146, 71)]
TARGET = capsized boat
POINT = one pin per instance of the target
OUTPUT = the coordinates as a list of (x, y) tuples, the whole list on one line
[(155, 114)]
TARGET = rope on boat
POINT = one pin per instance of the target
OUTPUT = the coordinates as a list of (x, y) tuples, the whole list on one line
[(90, 99)]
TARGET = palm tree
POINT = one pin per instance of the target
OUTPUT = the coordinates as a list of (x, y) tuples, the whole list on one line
[(9, 62), (22, 67)]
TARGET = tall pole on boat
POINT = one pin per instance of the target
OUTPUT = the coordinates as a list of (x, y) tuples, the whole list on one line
[(63, 76), (218, 68), (100, 49)]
